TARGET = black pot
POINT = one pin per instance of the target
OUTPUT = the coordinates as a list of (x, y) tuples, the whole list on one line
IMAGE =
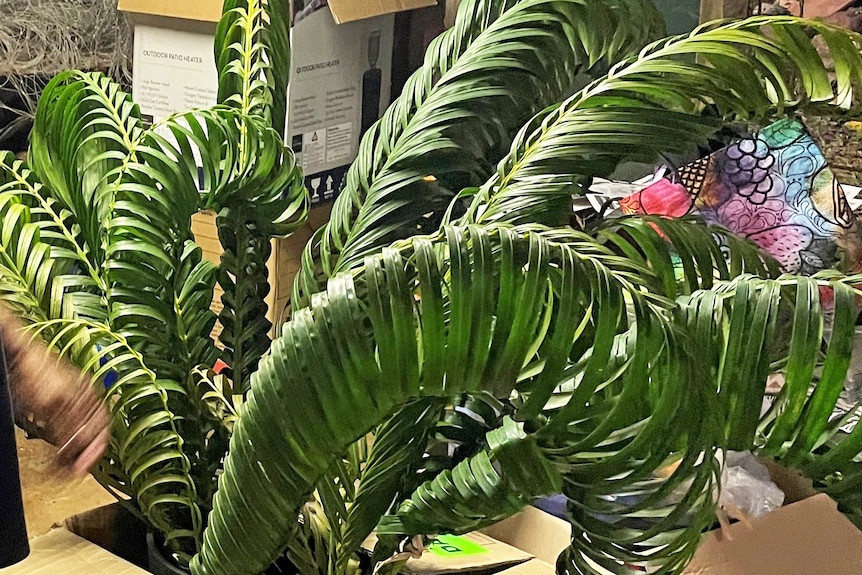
[(159, 564)]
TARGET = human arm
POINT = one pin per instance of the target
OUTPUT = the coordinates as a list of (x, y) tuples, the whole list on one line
[(64, 401)]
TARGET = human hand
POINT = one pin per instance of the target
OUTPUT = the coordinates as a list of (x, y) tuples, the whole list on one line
[(63, 401), (64, 404)]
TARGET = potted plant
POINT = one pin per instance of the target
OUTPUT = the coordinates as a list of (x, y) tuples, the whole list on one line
[(604, 366), (579, 359), (100, 260)]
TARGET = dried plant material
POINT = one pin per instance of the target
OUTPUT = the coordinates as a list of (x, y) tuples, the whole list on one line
[(39, 38)]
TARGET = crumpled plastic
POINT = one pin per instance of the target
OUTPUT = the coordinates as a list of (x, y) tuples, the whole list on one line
[(746, 486)]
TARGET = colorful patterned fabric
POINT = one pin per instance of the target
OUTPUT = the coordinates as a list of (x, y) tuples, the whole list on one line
[(773, 188)]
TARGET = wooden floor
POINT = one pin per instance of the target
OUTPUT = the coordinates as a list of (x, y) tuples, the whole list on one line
[(48, 497)]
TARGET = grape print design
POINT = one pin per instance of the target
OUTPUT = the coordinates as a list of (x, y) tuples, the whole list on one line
[(745, 167), (775, 189)]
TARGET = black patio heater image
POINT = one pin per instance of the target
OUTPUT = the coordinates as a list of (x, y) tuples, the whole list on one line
[(372, 82)]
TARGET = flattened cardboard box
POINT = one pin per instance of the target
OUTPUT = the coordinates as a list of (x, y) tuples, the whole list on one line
[(460, 554), (525, 544), (61, 552)]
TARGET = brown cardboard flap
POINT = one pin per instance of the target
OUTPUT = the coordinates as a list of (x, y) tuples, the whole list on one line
[(60, 551), (351, 10), (806, 538), (531, 567), (210, 10), (538, 533), (200, 10)]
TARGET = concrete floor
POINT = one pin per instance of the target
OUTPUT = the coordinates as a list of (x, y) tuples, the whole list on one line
[(50, 498)]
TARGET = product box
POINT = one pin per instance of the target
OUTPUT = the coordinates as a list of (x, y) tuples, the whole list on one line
[(340, 74), (340, 84), (60, 551)]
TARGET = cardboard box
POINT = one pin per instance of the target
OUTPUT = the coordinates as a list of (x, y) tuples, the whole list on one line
[(525, 544), (340, 76), (807, 536), (60, 551), (540, 534), (343, 11)]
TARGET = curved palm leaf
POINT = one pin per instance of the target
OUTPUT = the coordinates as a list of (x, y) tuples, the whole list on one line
[(85, 126), (686, 255), (268, 200), (492, 485), (252, 49), (252, 53), (398, 443), (655, 102), (503, 61), (151, 255), (41, 255), (346, 344), (646, 511), (731, 328), (154, 199), (683, 258)]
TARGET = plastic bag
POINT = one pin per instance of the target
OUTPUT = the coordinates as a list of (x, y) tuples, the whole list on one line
[(746, 486)]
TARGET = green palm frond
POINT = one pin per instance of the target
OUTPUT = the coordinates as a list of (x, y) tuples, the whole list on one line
[(494, 484), (639, 495), (798, 428), (685, 254), (85, 127), (503, 61), (45, 271), (656, 103), (151, 255), (252, 49), (267, 199), (731, 331), (398, 444), (358, 345), (642, 396), (252, 53)]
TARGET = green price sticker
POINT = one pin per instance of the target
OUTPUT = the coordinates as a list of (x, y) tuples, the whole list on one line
[(454, 546)]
